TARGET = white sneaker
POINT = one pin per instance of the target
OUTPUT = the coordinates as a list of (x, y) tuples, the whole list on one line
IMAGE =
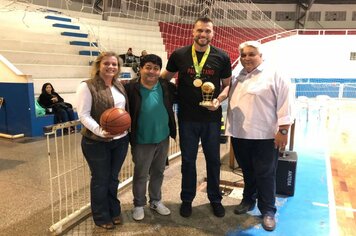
[(160, 208), (138, 213)]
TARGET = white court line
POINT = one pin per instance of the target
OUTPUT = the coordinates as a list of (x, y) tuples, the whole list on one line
[(336, 207)]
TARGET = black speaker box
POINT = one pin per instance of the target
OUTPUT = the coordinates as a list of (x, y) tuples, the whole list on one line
[(286, 173)]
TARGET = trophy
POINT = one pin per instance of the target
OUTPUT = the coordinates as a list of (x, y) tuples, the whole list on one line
[(207, 90)]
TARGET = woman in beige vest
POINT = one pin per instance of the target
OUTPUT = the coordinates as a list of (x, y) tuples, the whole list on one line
[(105, 153)]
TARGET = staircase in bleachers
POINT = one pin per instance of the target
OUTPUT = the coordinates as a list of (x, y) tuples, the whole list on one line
[(46, 46), (75, 34), (58, 49)]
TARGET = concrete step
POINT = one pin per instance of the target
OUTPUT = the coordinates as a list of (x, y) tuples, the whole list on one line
[(61, 85), (67, 85), (55, 71), (23, 57), (57, 18), (42, 37), (35, 46), (83, 43), (66, 26), (130, 21), (74, 34), (89, 53), (120, 22), (137, 46), (133, 30), (117, 38)]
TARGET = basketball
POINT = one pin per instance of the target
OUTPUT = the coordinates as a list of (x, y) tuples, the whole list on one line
[(208, 87), (115, 120)]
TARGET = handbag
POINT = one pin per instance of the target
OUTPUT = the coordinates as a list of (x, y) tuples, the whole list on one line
[(40, 111)]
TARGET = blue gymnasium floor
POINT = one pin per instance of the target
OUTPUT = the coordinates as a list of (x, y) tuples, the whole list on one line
[(307, 213)]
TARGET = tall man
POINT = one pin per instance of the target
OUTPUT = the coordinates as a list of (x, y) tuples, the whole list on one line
[(153, 121), (197, 64), (258, 119)]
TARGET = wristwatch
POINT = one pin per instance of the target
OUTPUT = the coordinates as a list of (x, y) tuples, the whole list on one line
[(283, 131)]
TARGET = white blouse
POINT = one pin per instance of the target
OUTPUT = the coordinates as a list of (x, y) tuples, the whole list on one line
[(84, 103)]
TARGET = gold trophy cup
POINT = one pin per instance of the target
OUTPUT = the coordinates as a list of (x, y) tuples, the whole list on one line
[(207, 90)]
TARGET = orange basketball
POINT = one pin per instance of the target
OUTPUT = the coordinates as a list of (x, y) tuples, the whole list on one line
[(115, 120)]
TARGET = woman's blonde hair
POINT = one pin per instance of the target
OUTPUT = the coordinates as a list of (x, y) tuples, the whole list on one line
[(96, 64)]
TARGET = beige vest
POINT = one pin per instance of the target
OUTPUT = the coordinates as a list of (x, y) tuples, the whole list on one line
[(101, 100)]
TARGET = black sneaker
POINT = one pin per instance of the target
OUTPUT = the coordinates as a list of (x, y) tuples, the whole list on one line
[(218, 209), (186, 209), (244, 207)]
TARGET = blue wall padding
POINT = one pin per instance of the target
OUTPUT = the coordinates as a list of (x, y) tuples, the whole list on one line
[(16, 112)]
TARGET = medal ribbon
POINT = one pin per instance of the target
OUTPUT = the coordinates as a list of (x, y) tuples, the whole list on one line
[(199, 66)]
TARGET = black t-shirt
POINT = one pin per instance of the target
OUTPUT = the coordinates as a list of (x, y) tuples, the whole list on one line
[(216, 67)]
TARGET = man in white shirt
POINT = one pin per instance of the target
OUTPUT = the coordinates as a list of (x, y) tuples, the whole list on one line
[(258, 120)]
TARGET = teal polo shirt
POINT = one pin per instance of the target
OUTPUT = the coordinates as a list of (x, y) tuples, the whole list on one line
[(152, 123)]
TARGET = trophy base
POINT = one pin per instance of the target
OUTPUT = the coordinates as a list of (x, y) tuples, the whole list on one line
[(206, 103)]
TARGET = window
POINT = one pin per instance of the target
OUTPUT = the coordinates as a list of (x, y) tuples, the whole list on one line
[(314, 16), (267, 15), (137, 5), (256, 15), (354, 16), (335, 16), (285, 16), (81, 1), (192, 11), (218, 13), (237, 14), (164, 8), (114, 3), (352, 56)]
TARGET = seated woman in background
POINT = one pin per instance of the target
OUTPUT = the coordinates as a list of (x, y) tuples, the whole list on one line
[(51, 100)]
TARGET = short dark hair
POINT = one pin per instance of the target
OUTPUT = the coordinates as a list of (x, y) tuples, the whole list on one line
[(203, 19), (151, 58)]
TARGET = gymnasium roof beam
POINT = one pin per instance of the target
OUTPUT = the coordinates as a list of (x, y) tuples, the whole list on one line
[(302, 9)]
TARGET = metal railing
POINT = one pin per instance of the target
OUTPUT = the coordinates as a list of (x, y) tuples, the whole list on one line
[(69, 174)]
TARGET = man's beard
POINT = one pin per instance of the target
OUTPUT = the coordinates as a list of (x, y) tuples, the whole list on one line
[(196, 39)]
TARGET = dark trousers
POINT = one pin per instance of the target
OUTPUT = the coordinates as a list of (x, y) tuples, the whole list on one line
[(209, 133), (105, 160), (258, 160), (64, 115)]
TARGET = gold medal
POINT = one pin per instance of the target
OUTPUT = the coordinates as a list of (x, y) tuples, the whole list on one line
[(197, 82)]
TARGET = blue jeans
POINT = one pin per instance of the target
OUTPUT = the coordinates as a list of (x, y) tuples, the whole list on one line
[(258, 160), (105, 160), (209, 133)]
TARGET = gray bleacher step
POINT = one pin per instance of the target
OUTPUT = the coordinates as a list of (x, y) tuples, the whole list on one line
[(72, 34), (83, 43), (89, 53), (58, 18), (65, 26)]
